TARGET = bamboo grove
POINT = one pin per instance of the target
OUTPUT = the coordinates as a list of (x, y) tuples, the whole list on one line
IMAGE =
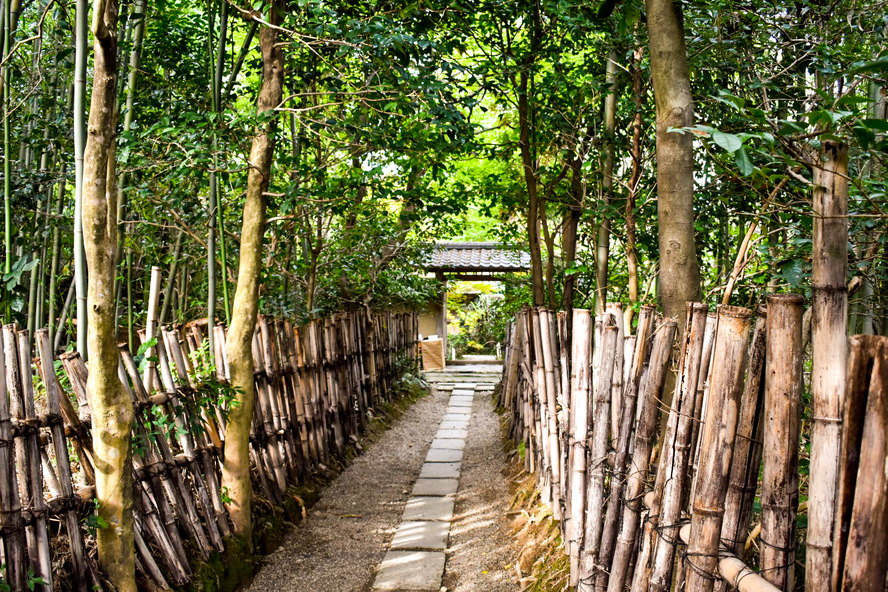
[(297, 158)]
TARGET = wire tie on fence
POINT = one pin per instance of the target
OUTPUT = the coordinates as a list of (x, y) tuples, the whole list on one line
[(713, 576)]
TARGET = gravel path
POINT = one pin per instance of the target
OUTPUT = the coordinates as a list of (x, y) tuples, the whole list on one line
[(481, 551), (342, 543)]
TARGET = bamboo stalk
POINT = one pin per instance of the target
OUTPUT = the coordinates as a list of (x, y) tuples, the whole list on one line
[(673, 469), (10, 505), (595, 491), (547, 347), (615, 309), (780, 477), (627, 418), (649, 396), (861, 536), (151, 328), (719, 428), (580, 383), (28, 453), (747, 457), (830, 354)]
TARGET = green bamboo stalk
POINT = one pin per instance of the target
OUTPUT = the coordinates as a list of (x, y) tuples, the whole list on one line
[(81, 36), (56, 251), (7, 164), (171, 280)]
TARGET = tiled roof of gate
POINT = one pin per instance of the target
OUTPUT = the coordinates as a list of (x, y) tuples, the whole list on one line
[(478, 257)]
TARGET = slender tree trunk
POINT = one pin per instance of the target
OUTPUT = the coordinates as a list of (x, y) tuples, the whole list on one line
[(635, 178), (679, 280), (569, 233), (236, 468), (111, 405), (533, 198), (829, 336), (602, 247)]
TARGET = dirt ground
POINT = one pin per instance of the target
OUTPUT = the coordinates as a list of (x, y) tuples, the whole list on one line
[(341, 544)]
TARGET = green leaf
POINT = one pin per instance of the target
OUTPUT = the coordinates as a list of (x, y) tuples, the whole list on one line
[(743, 162), (729, 142)]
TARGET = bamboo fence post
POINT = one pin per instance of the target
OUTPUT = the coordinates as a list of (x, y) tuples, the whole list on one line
[(688, 372), (861, 529), (544, 477), (780, 477), (151, 327), (702, 393), (673, 469), (28, 453), (830, 353), (13, 539), (649, 396), (580, 383), (636, 367), (746, 460), (547, 347), (719, 427), (615, 309), (597, 459), (66, 490)]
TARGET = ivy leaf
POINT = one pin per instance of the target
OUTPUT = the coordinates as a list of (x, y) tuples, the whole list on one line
[(743, 162)]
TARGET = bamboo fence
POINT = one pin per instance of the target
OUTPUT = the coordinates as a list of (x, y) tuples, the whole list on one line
[(645, 509), (316, 387)]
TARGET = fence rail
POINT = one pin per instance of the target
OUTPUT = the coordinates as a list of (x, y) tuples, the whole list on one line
[(315, 387), (651, 508)]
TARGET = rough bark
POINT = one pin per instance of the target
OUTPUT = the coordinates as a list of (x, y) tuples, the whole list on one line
[(679, 271), (112, 409), (236, 468)]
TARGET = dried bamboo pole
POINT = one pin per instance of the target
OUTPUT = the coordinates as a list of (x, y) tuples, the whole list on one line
[(615, 309), (673, 469), (702, 393), (580, 383), (649, 396), (861, 536), (177, 492), (595, 490), (621, 458), (29, 461), (719, 427), (547, 348), (829, 341), (541, 411), (151, 328), (747, 456), (13, 540), (780, 477)]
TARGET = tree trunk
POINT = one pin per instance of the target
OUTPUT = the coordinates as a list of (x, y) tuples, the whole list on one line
[(602, 246), (112, 408), (533, 198), (679, 272), (236, 468), (631, 242), (830, 350)]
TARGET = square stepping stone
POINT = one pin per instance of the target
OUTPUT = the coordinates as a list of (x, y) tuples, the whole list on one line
[(461, 398), (462, 424), (422, 534), (449, 443), (428, 508), (444, 455), (436, 486), (452, 434), (436, 470), (411, 570), (462, 416), (464, 404), (465, 385), (463, 393), (464, 411)]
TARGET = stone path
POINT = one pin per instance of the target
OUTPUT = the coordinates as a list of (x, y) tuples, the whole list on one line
[(416, 557)]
